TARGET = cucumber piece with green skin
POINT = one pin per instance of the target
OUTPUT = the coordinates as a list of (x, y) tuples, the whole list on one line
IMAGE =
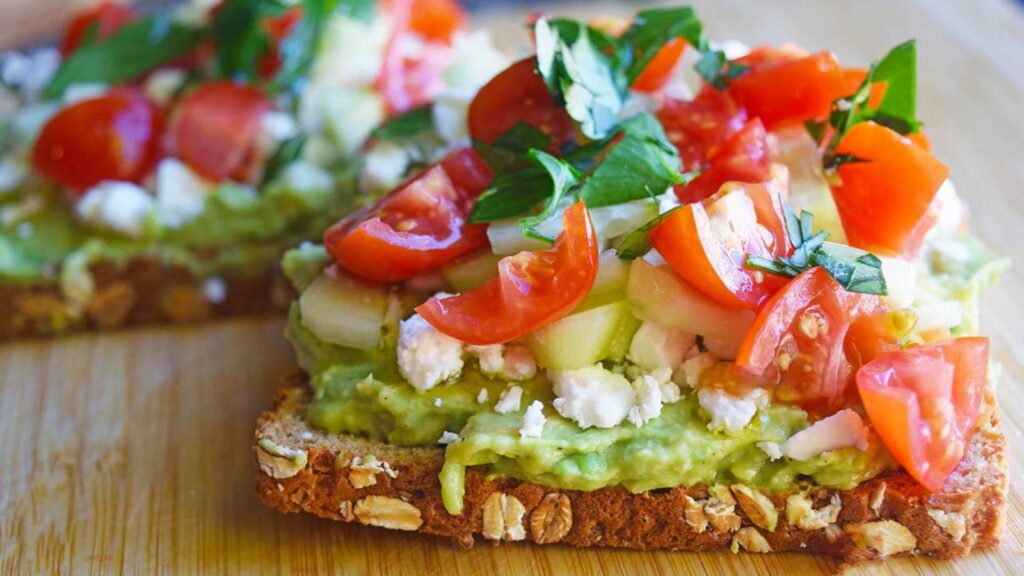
[(657, 294), (344, 311), (507, 238), (472, 271), (610, 283), (581, 339)]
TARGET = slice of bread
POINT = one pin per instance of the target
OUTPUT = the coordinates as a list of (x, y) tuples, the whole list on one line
[(144, 291), (345, 478)]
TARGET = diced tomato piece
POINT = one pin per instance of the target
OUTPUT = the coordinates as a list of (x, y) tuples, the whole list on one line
[(854, 77), (418, 227), (659, 69), (437, 20), (105, 18), (707, 243), (790, 90), (742, 158), (532, 289), (113, 137), (410, 80), (921, 139), (518, 95), (798, 342), (217, 129), (924, 402), (278, 28), (883, 200), (697, 128)]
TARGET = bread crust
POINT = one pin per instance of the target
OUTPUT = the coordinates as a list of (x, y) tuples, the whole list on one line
[(145, 291), (326, 475)]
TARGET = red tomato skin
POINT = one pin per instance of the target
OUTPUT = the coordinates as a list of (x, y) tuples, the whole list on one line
[(518, 95), (883, 201), (908, 396), (108, 17), (659, 69), (112, 137), (798, 339), (418, 227), (216, 130), (742, 158), (278, 28), (407, 82), (697, 128), (790, 90), (532, 289), (687, 240), (437, 20)]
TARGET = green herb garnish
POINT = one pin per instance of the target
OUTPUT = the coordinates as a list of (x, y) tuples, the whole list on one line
[(408, 124)]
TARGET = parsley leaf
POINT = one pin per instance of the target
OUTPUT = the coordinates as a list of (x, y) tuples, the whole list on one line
[(241, 39), (408, 124), (580, 75), (642, 164), (562, 177), (637, 243), (512, 194), (854, 269), (287, 152), (133, 50)]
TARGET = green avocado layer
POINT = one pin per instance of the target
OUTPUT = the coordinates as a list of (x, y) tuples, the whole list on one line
[(362, 393)]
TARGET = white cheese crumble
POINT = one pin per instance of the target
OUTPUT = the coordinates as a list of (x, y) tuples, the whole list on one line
[(475, 60), (180, 193), (303, 176), (162, 85), (438, 402), (842, 429), (772, 449), (729, 413), (215, 290), (426, 356), (119, 206), (449, 114), (12, 173), (482, 396), (509, 400), (384, 166), (448, 438), (657, 346), (533, 421), (592, 396), (648, 400), (512, 362), (695, 366)]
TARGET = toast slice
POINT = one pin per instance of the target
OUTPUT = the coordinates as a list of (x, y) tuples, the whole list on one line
[(345, 478), (142, 292)]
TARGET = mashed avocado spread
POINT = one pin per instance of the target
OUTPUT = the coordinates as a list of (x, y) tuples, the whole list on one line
[(363, 393)]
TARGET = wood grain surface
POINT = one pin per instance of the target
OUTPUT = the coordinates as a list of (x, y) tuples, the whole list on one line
[(130, 452)]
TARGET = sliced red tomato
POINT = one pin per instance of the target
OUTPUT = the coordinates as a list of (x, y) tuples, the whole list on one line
[(532, 289), (924, 403), (518, 95), (278, 28), (437, 20), (790, 90), (407, 80), (707, 243), (741, 158), (418, 227), (698, 127), (105, 18), (217, 128), (659, 69), (883, 200), (798, 342), (113, 137)]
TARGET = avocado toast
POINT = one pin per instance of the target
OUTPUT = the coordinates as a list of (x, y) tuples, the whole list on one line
[(677, 295), (156, 166)]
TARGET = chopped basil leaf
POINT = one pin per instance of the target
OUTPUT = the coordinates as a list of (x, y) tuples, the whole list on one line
[(523, 137), (408, 124), (298, 49), (637, 243), (563, 177), (854, 269), (652, 29), (580, 75), (241, 39), (133, 50), (289, 151), (642, 164), (512, 194)]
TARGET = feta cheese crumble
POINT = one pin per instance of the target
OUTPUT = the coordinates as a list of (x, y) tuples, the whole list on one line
[(729, 413), (592, 396), (448, 438), (509, 400), (215, 290), (512, 362), (533, 421), (119, 206), (426, 356), (482, 396), (842, 429), (180, 193)]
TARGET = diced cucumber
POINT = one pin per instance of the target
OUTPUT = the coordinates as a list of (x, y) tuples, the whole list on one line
[(610, 284), (657, 294), (471, 271), (351, 115), (344, 311), (619, 347), (580, 339), (609, 221)]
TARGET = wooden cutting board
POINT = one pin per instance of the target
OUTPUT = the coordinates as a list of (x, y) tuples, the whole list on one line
[(131, 452)]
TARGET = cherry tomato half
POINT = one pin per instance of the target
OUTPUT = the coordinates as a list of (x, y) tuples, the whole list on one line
[(698, 127), (409, 80), (113, 137), (924, 403), (741, 158), (418, 227), (217, 129), (532, 289), (790, 89)]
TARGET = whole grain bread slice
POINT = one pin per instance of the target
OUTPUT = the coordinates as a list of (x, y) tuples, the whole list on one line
[(144, 291), (340, 477)]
